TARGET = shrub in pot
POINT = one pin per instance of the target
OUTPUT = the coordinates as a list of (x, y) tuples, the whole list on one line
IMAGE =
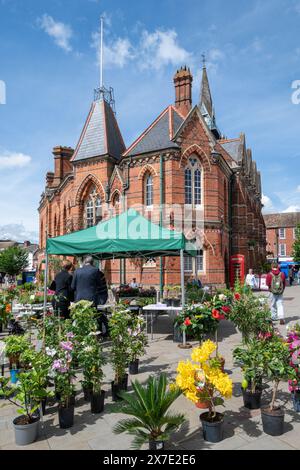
[(203, 382), (118, 326), (92, 360), (137, 342), (251, 359), (15, 345), (148, 406), (197, 321), (84, 321), (293, 340), (26, 396), (63, 375), (277, 369)]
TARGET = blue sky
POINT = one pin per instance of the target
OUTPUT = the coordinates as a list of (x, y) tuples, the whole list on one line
[(49, 64)]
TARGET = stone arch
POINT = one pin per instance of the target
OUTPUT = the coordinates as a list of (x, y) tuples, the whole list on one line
[(147, 169), (196, 149), (85, 187)]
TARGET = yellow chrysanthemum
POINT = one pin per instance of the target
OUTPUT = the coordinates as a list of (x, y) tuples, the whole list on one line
[(203, 353)]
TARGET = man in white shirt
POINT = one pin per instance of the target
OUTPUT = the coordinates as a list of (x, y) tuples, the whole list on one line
[(251, 280), (134, 284)]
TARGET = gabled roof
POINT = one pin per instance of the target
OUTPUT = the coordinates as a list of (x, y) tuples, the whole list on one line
[(283, 220), (100, 135), (232, 147), (159, 135)]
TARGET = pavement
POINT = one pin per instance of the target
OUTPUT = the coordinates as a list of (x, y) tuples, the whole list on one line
[(243, 428)]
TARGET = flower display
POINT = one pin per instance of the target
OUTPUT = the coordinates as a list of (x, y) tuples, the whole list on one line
[(237, 296), (202, 380)]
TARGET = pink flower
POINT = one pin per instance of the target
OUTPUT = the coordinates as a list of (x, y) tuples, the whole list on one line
[(70, 335), (66, 345), (56, 364)]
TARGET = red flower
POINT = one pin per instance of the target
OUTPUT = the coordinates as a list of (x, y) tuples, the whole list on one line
[(237, 296), (187, 322), (225, 309), (215, 314)]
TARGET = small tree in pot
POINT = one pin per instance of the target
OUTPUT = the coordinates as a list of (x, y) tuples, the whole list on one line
[(203, 382), (151, 422), (137, 342), (277, 369), (118, 327), (15, 345), (26, 396)]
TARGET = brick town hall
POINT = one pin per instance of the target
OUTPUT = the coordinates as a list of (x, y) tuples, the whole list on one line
[(180, 159)]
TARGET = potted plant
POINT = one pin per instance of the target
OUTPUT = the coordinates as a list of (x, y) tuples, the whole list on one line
[(203, 382), (137, 342), (151, 422), (15, 345), (92, 361), (118, 327), (277, 369), (251, 359), (25, 396), (63, 376), (250, 315), (293, 340), (202, 321)]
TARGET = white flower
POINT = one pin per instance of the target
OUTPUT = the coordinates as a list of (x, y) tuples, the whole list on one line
[(32, 297), (88, 349), (222, 297), (50, 352), (95, 333)]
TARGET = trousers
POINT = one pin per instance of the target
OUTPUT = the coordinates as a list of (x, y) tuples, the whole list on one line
[(276, 301)]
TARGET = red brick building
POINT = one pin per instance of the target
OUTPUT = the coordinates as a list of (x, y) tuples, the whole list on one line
[(281, 235), (180, 161)]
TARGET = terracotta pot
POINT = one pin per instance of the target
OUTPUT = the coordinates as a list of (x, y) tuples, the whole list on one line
[(203, 405)]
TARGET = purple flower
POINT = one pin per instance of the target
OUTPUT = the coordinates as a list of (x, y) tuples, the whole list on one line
[(66, 345), (70, 335), (56, 364)]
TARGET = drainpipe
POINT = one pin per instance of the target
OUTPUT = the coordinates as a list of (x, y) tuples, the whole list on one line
[(161, 267)]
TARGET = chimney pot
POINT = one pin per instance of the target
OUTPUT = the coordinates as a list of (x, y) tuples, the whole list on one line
[(183, 90)]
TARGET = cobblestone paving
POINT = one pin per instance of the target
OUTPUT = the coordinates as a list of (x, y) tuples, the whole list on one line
[(243, 429)]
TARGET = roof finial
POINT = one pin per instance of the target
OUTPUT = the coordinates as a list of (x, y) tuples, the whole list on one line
[(204, 60)]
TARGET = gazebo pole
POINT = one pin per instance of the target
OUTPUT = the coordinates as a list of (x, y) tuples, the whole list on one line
[(182, 290), (45, 286)]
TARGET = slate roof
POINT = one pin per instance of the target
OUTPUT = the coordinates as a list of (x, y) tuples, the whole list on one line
[(206, 103), (101, 134), (232, 147), (158, 136), (283, 220)]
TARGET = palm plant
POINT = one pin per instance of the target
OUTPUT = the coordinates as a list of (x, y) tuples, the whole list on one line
[(149, 407)]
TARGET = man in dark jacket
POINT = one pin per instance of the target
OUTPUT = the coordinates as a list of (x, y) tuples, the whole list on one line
[(89, 284), (64, 294)]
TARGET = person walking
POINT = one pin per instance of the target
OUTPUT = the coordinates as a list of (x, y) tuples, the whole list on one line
[(89, 284), (291, 275), (276, 284), (64, 294), (251, 280)]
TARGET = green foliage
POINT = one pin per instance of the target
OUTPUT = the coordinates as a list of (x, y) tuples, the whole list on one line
[(27, 394), (200, 324), (118, 325), (196, 295), (138, 339), (13, 260), (296, 246), (91, 360), (149, 407), (251, 315), (15, 345), (251, 359)]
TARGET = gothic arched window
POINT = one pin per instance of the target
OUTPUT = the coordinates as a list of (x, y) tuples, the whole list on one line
[(193, 183), (149, 190), (93, 209)]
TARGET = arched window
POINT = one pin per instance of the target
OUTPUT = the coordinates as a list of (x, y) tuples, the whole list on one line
[(149, 190), (93, 209), (193, 183)]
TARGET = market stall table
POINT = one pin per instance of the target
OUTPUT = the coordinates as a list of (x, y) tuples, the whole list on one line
[(158, 308)]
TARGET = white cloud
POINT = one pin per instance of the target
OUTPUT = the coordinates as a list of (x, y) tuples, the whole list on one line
[(154, 50), (292, 209), (268, 203), (17, 232), (161, 48), (60, 32), (9, 160)]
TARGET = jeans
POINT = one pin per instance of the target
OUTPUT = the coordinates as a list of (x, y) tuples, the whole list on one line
[(277, 306)]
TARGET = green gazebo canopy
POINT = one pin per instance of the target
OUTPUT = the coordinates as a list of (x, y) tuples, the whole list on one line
[(127, 235)]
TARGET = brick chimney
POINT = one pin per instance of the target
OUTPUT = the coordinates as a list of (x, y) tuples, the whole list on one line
[(183, 90), (49, 178), (62, 164)]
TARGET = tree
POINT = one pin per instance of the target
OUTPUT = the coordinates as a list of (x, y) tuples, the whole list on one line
[(13, 260), (296, 246)]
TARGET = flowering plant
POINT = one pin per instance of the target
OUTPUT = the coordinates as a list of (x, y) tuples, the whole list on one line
[(6, 297), (197, 321), (293, 340), (92, 360), (202, 380), (137, 337), (118, 327)]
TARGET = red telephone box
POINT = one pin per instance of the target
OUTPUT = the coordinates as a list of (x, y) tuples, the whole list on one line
[(237, 270)]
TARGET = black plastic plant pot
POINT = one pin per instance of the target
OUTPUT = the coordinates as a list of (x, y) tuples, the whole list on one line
[(156, 445), (116, 388), (134, 367), (1, 327), (87, 392), (252, 401), (71, 400), (66, 417), (273, 421), (296, 401), (213, 429), (97, 402)]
